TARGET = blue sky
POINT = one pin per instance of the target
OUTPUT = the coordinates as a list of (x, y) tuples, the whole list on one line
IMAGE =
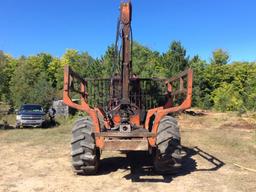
[(32, 26)]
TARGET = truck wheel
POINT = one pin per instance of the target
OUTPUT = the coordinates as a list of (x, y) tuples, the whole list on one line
[(85, 155), (168, 149)]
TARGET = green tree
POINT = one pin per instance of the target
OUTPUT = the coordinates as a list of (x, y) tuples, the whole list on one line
[(200, 89), (40, 62), (227, 98), (175, 60), (3, 76), (242, 75), (39, 78), (146, 63), (220, 57), (7, 67), (79, 62), (213, 76), (29, 85), (55, 73), (96, 69), (108, 61)]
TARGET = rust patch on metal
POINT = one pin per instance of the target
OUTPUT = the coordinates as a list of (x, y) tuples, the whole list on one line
[(126, 145)]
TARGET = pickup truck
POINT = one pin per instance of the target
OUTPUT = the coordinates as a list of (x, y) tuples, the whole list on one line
[(30, 115)]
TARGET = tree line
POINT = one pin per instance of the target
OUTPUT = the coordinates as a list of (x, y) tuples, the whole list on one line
[(217, 83)]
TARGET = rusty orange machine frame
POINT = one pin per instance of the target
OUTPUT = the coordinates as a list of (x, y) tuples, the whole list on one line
[(123, 110), (158, 112)]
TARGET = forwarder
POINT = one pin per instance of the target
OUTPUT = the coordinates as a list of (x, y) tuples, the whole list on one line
[(127, 113)]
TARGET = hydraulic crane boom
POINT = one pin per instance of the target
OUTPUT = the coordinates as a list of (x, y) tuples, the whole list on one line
[(125, 20)]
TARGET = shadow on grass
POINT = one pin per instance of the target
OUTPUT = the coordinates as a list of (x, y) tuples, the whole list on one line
[(5, 126), (47, 125), (194, 113), (140, 165)]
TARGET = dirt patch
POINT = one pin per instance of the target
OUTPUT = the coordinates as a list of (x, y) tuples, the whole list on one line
[(38, 160), (241, 124)]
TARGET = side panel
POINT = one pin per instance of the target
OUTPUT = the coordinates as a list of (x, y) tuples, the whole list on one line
[(69, 75), (167, 109)]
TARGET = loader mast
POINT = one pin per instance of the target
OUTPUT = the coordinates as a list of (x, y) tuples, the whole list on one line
[(125, 21)]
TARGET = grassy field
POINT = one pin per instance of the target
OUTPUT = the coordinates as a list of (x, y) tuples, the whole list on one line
[(220, 147), (39, 136)]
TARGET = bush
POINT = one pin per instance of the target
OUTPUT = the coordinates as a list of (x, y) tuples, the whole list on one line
[(227, 98)]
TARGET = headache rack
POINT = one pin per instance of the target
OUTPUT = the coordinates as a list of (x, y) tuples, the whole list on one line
[(146, 93)]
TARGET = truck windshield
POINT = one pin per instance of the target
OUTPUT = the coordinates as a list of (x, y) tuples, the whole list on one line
[(34, 108)]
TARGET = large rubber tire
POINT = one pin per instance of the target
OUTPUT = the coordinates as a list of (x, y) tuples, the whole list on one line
[(168, 149), (85, 155)]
